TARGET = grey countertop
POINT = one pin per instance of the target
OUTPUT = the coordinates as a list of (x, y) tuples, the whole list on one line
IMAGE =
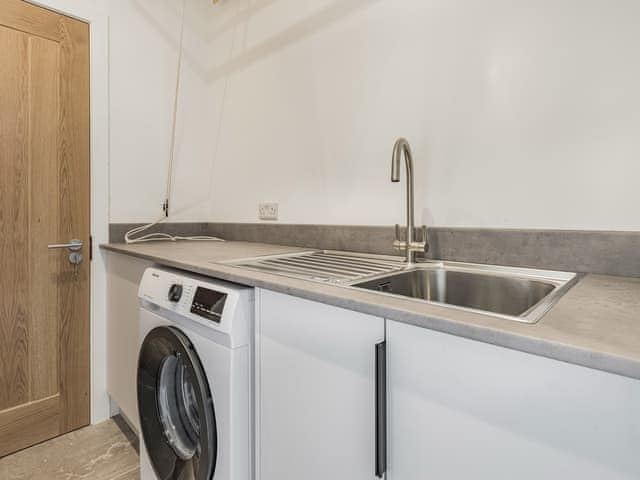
[(596, 324)]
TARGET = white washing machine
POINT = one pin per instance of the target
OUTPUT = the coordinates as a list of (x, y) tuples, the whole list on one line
[(195, 378)]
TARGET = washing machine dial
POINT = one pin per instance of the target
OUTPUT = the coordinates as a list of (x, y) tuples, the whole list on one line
[(175, 292)]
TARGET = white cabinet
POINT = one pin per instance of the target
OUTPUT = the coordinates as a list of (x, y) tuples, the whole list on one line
[(123, 277), (315, 390), (461, 409)]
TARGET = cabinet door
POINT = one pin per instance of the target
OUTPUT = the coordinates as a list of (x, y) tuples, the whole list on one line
[(315, 390), (123, 331), (461, 409)]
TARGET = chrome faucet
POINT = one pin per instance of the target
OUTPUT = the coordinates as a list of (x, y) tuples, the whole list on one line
[(409, 245)]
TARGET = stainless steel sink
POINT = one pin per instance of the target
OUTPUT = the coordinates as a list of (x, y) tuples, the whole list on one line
[(516, 294)]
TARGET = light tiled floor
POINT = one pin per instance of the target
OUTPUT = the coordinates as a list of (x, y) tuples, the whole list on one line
[(100, 452)]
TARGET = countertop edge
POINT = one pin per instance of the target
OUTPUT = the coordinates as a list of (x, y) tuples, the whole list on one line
[(564, 352)]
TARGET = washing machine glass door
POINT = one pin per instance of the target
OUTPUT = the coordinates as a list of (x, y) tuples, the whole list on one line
[(177, 415)]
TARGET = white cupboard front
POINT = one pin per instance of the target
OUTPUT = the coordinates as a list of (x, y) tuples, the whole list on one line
[(123, 277), (315, 390), (462, 409)]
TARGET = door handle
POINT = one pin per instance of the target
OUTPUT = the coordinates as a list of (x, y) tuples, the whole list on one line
[(73, 246), (381, 409)]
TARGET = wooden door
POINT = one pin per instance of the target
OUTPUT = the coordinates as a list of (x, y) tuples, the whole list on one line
[(44, 199)]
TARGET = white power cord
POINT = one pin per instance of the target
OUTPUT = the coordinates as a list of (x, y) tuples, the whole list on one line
[(157, 236), (129, 237)]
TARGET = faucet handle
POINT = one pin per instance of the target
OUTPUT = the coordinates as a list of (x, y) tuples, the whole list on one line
[(420, 243), (424, 239)]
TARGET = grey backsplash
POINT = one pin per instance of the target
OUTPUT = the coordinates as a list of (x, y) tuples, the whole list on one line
[(610, 253)]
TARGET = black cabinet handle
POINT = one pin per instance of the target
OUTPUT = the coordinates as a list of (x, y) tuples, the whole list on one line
[(381, 409)]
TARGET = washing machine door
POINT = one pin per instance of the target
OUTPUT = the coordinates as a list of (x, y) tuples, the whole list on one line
[(177, 415)]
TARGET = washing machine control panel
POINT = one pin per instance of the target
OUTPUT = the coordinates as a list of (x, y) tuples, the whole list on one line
[(208, 303), (223, 307)]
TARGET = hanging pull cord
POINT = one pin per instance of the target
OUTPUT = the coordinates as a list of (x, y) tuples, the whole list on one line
[(132, 235), (176, 95)]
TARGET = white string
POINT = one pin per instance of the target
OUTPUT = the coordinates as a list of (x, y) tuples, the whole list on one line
[(129, 237), (157, 236), (175, 108)]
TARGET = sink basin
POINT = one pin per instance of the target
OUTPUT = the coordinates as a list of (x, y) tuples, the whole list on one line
[(517, 294)]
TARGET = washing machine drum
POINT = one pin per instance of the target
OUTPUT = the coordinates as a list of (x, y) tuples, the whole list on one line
[(177, 415)]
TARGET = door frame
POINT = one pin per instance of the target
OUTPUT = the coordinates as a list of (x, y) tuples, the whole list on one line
[(94, 13)]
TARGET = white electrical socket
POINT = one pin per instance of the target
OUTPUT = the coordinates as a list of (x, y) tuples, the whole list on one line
[(268, 211)]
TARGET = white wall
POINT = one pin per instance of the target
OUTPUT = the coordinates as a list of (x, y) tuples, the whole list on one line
[(521, 113), (142, 62)]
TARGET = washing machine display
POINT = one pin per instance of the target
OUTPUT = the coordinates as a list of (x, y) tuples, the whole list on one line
[(208, 303), (178, 420)]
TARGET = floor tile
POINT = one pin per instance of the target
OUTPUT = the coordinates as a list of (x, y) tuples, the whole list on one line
[(106, 451)]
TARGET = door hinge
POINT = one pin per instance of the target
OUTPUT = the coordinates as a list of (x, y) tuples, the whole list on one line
[(90, 247)]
